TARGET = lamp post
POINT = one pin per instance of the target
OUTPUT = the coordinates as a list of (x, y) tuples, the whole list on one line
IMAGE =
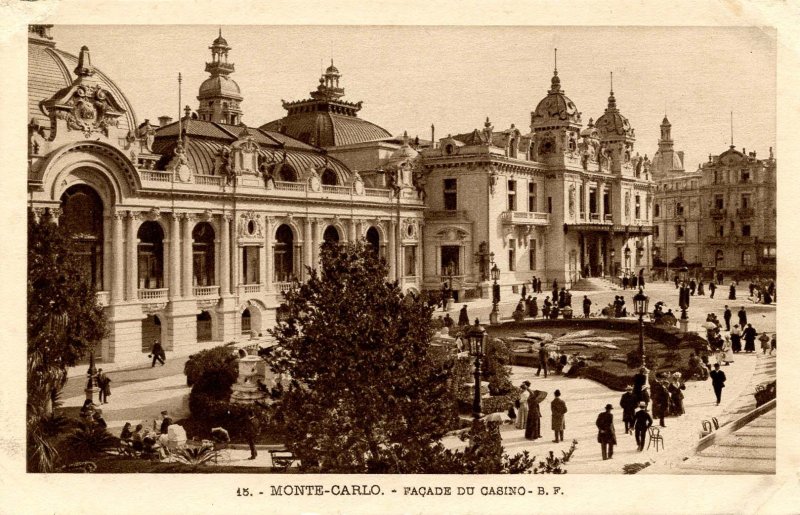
[(476, 338), (494, 316), (683, 299), (612, 268), (91, 375), (640, 308), (449, 271), (627, 260)]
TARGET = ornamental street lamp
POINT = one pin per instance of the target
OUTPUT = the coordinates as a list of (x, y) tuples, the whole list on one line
[(683, 298), (640, 308), (476, 339), (494, 316), (91, 375), (627, 260)]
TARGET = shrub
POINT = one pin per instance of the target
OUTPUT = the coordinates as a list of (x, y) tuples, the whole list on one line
[(634, 360), (599, 356), (499, 403), (89, 440), (496, 366), (604, 377), (216, 358)]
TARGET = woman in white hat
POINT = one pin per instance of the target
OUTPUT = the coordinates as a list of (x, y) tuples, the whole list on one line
[(676, 394)]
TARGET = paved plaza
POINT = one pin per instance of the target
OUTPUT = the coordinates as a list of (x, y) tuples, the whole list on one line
[(139, 393)]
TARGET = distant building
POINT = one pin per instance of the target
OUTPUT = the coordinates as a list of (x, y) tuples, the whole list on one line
[(719, 218)]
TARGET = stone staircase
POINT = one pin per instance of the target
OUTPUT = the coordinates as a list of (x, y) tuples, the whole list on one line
[(594, 284)]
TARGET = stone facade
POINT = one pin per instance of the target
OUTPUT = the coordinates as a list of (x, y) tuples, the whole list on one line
[(719, 218)]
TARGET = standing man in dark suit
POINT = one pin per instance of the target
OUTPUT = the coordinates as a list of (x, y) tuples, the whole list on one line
[(727, 316), (641, 423), (606, 436), (742, 317), (587, 306), (542, 360), (718, 382)]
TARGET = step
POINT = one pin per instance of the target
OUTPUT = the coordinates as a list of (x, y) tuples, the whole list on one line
[(728, 451), (753, 442), (719, 465), (751, 430)]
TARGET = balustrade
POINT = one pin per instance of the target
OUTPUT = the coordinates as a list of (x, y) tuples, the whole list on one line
[(154, 293), (206, 291)]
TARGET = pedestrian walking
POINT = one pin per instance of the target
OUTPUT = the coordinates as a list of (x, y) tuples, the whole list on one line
[(732, 292), (641, 278), (736, 339), (692, 286), (660, 401), (773, 344), (624, 286), (463, 318), (104, 383), (628, 404), (157, 353), (606, 436), (448, 321), (742, 317), (711, 289), (641, 423), (749, 335), (534, 308), (587, 306), (522, 405), (675, 388), (727, 316), (533, 428), (700, 288), (252, 428), (524, 290), (557, 409), (542, 360), (641, 386), (546, 307), (718, 382), (764, 339)]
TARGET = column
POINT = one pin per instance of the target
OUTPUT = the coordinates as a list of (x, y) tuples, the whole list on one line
[(420, 254), (174, 257), (188, 220), (269, 265), (107, 253), (352, 236), (601, 208), (118, 254), (225, 256), (392, 250), (307, 246), (131, 253), (315, 237)]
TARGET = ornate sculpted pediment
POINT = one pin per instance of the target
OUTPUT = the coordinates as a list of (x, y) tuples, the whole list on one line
[(244, 154), (85, 107), (250, 226)]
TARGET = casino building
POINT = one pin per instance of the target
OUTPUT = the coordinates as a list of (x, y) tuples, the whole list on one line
[(191, 229)]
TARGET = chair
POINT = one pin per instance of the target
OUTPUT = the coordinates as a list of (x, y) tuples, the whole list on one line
[(716, 423), (282, 459), (655, 437)]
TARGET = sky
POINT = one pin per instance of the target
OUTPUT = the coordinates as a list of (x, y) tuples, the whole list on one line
[(410, 77)]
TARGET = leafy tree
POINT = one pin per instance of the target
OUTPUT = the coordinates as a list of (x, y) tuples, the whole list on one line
[(64, 320), (497, 366), (365, 393)]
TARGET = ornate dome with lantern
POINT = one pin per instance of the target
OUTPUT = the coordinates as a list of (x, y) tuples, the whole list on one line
[(325, 119), (612, 124), (556, 108)]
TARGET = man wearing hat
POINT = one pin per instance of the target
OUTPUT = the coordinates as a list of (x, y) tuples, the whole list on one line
[(628, 404), (606, 436), (641, 423)]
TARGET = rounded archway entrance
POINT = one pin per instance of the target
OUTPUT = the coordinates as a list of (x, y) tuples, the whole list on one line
[(82, 219), (374, 240), (203, 254), (251, 319), (151, 331), (205, 327), (151, 256), (331, 235), (283, 254)]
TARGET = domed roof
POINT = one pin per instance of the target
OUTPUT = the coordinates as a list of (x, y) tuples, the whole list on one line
[(332, 69), (51, 70), (666, 162), (556, 107), (327, 129), (612, 124), (403, 154), (219, 85)]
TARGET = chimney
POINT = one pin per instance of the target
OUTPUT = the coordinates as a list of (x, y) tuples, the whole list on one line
[(164, 120)]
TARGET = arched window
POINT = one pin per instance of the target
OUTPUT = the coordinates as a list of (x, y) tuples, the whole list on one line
[(330, 235), (203, 254), (204, 327), (151, 256), (246, 321), (283, 254), (82, 218), (374, 239), (287, 173), (329, 178)]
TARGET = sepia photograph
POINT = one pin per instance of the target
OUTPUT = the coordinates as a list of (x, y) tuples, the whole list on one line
[(280, 249)]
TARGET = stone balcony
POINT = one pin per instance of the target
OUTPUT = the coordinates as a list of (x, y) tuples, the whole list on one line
[(446, 214), (206, 291), (746, 212), (151, 294), (716, 212), (525, 218), (283, 287)]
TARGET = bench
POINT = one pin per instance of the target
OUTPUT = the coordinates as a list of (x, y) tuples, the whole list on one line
[(282, 458)]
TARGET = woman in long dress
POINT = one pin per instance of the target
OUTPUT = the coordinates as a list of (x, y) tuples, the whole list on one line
[(522, 414), (736, 338), (676, 394), (533, 428)]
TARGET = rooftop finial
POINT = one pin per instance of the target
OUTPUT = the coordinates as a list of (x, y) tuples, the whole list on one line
[(220, 31), (84, 68), (731, 129), (555, 60), (612, 83)]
